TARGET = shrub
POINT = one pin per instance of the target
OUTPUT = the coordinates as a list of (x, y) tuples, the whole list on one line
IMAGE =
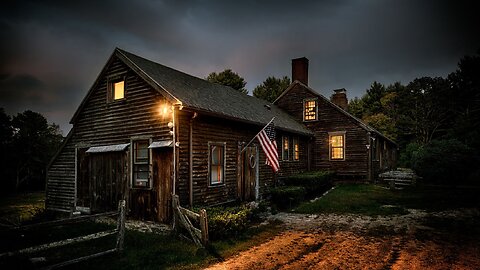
[(444, 161), (313, 182), (286, 196), (228, 221)]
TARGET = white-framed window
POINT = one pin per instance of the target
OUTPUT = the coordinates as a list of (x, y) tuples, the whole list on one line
[(141, 177), (216, 163), (296, 149), (310, 109), (337, 145), (285, 148)]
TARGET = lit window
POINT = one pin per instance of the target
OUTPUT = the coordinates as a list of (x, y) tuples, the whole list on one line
[(310, 110), (296, 149), (116, 88), (337, 147), (217, 161), (141, 164), (285, 148), (119, 90)]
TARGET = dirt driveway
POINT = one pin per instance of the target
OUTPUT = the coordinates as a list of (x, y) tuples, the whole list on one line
[(418, 240)]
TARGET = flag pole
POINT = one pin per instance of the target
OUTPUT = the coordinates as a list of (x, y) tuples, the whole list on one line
[(256, 135)]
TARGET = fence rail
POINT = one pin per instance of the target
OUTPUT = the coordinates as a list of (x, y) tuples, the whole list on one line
[(120, 231), (184, 216)]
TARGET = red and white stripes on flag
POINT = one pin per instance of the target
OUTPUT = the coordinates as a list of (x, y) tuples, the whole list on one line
[(269, 145)]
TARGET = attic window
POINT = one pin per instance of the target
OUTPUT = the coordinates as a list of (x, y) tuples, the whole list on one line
[(310, 109), (116, 89)]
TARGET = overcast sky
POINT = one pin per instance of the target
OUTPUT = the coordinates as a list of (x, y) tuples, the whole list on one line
[(52, 51)]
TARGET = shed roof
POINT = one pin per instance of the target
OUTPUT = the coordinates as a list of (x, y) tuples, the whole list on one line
[(209, 97)]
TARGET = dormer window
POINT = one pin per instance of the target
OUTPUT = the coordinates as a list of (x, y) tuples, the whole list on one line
[(116, 89), (310, 109)]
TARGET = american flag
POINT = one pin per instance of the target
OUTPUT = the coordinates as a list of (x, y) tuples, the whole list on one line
[(269, 145)]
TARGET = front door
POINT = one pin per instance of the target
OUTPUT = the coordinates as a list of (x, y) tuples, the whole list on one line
[(162, 182), (249, 177)]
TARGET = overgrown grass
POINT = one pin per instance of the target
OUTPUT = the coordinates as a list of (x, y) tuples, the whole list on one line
[(375, 200), (17, 208), (142, 250)]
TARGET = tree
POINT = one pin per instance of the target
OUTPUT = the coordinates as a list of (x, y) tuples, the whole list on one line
[(465, 100), (271, 88), (6, 136), (424, 112), (35, 142), (228, 78)]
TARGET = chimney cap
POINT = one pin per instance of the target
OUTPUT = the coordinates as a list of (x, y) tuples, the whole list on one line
[(339, 91)]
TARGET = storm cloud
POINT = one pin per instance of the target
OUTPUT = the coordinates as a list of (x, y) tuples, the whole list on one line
[(52, 51)]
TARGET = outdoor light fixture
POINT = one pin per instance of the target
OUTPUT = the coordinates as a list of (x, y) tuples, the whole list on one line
[(368, 146)]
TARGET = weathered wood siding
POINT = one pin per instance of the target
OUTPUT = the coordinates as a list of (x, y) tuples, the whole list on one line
[(212, 129), (330, 120), (101, 123)]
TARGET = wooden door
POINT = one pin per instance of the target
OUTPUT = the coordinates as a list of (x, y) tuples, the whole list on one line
[(102, 180), (162, 183), (249, 179)]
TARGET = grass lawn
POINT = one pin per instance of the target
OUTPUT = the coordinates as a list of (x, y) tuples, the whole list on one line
[(375, 200), (142, 250), (21, 207)]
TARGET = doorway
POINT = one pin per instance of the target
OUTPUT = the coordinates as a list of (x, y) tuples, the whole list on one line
[(248, 188)]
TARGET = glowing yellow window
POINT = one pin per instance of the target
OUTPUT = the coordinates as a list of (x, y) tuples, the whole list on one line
[(296, 149), (118, 90), (337, 146), (310, 110)]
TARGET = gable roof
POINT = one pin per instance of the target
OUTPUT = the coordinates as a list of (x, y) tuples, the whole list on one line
[(203, 96), (355, 119)]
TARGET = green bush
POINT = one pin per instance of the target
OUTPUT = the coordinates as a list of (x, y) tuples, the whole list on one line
[(286, 196), (313, 182), (444, 161), (224, 222)]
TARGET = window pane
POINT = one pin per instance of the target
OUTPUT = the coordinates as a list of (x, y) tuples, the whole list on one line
[(310, 110), (337, 146), (141, 151), (296, 154), (285, 148), (337, 153), (119, 90), (216, 164), (337, 141)]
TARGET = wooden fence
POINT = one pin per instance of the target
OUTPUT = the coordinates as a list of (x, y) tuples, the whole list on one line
[(184, 216), (120, 231)]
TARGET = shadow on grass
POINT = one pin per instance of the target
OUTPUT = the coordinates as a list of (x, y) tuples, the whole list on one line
[(376, 200)]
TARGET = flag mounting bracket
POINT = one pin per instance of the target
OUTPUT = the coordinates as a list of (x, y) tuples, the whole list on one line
[(254, 137)]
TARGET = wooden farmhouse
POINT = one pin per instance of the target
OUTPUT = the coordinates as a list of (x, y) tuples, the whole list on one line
[(145, 131)]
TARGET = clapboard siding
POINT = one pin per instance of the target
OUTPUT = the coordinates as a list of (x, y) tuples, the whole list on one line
[(330, 119), (211, 129), (101, 123)]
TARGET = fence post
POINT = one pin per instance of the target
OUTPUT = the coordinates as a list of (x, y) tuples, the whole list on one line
[(204, 226), (121, 225)]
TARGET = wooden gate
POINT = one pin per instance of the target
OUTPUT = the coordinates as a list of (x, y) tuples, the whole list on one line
[(162, 182), (249, 174)]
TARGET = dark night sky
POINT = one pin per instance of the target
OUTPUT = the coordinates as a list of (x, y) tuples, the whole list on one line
[(52, 51)]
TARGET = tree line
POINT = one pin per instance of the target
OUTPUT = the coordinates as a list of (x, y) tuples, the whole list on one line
[(435, 121), (27, 144)]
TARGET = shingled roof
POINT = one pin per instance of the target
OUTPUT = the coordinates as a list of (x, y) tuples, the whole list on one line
[(201, 95)]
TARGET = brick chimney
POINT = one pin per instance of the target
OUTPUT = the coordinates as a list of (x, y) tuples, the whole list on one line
[(339, 98), (300, 70)]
